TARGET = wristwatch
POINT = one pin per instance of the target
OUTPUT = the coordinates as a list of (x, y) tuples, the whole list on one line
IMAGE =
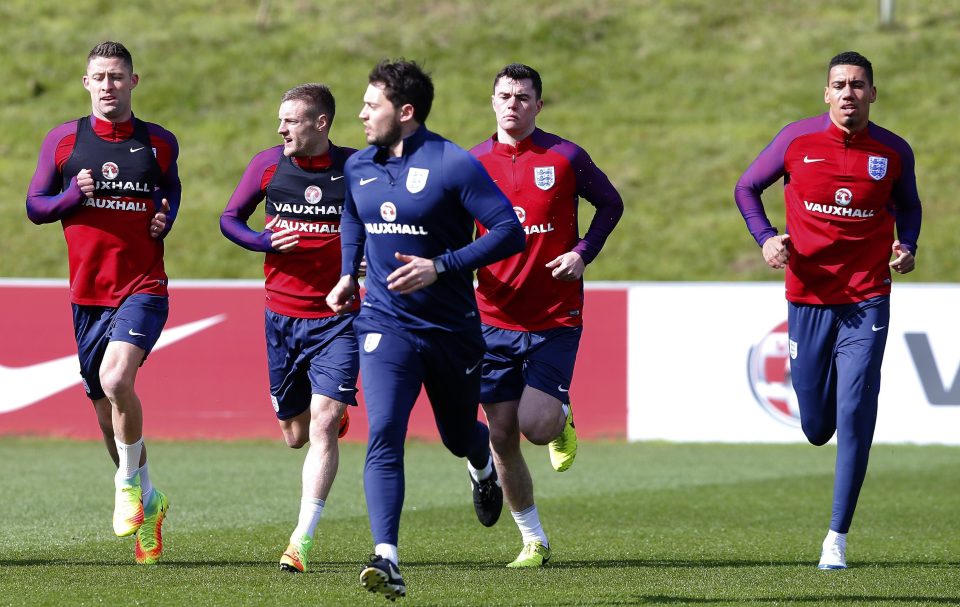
[(438, 266)]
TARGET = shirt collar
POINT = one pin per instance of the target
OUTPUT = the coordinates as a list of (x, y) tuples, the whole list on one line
[(841, 135), (522, 146), (314, 163), (112, 131)]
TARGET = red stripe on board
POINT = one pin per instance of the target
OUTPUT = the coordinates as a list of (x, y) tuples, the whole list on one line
[(213, 384)]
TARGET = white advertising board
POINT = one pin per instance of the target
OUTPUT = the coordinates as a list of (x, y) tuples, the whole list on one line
[(708, 362)]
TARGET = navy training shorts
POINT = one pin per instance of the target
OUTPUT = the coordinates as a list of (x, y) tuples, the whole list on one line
[(307, 356), (138, 320), (540, 359)]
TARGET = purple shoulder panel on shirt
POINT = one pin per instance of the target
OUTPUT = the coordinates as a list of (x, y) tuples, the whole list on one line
[(244, 201), (46, 200), (594, 186), (766, 170), (159, 132), (905, 195), (484, 147), (169, 186)]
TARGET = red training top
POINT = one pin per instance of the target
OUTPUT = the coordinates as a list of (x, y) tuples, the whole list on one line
[(843, 194), (134, 166), (543, 176)]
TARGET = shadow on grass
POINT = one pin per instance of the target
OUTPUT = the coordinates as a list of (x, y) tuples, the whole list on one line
[(129, 563), (832, 600), (681, 564), (475, 565)]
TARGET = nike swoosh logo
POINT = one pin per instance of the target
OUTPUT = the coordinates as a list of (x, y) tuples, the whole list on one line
[(135, 334), (366, 181), (132, 150), (560, 388), (474, 367), (24, 386), (875, 328), (342, 389), (808, 160), (336, 178)]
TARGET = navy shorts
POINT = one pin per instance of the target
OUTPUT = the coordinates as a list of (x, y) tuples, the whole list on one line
[(309, 356), (138, 320), (540, 359)]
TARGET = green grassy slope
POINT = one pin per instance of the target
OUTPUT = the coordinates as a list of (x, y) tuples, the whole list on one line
[(640, 524), (672, 99)]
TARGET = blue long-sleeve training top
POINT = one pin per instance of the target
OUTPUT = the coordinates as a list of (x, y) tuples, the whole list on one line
[(424, 203)]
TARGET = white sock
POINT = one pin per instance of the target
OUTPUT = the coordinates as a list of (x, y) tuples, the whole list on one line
[(529, 523), (835, 538), (481, 474), (129, 459), (310, 510), (146, 487), (388, 551)]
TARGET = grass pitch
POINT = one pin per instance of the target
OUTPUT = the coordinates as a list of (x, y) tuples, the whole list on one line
[(630, 524)]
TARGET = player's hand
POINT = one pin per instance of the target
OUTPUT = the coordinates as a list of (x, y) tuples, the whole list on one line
[(341, 297), (159, 221), (85, 181), (283, 241), (568, 266), (905, 261), (362, 271), (415, 274), (776, 252)]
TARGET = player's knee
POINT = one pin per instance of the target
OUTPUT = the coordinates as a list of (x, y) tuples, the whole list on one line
[(504, 439), (817, 434), (325, 428), (458, 448), (294, 438), (386, 429), (116, 384), (296, 442), (540, 431)]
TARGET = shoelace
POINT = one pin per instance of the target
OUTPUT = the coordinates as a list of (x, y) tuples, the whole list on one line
[(486, 488), (149, 540)]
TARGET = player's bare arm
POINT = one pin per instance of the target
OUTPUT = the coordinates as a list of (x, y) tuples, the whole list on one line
[(905, 261), (283, 241), (415, 274), (775, 251), (341, 296), (159, 221), (568, 266), (85, 182)]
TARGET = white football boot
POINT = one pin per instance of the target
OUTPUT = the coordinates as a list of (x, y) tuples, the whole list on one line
[(834, 552)]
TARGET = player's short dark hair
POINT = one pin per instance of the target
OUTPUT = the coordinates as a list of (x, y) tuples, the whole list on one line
[(519, 71), (405, 82), (852, 58), (109, 50), (316, 95)]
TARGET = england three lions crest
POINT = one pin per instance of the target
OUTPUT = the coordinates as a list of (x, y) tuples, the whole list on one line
[(877, 167), (417, 179), (544, 177)]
